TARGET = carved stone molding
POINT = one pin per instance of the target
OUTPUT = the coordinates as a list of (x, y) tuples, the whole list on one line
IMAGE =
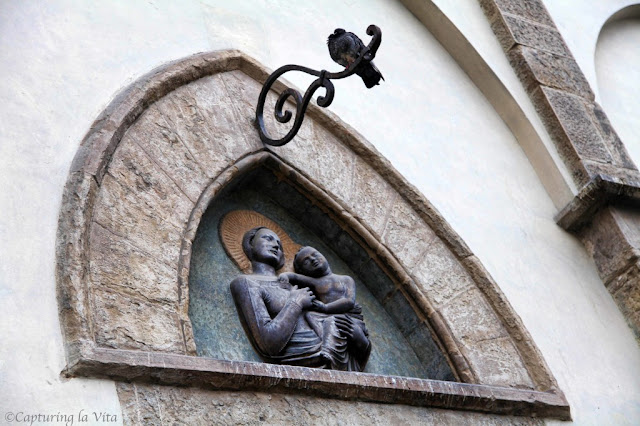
[(147, 171)]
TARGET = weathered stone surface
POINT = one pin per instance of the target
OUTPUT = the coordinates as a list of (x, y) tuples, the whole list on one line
[(155, 135), (536, 67), (497, 362), (370, 198), (324, 160), (471, 319), (626, 181), (511, 30), (615, 146), (613, 240), (625, 289), (118, 265), (125, 322), (532, 10), (72, 255), (568, 123), (153, 404), (138, 201), (577, 125), (440, 274), (406, 235), (608, 244), (245, 90), (200, 116)]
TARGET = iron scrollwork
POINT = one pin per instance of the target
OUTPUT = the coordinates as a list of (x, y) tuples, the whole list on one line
[(367, 54)]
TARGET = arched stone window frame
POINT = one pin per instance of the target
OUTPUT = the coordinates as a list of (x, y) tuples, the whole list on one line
[(131, 210)]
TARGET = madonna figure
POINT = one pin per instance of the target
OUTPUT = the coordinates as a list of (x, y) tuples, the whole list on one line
[(272, 313)]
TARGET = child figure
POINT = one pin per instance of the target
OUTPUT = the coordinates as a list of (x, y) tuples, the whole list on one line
[(335, 314), (335, 294)]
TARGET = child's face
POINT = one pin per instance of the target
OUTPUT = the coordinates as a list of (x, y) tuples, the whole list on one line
[(311, 262)]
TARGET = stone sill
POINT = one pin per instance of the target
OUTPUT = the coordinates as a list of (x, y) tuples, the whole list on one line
[(598, 193), (183, 370)]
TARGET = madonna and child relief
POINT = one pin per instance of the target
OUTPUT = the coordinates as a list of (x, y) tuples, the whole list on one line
[(308, 317)]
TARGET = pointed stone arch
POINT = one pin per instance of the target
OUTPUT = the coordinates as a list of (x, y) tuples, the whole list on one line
[(147, 171)]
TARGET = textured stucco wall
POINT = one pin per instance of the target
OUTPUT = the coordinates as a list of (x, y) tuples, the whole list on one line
[(63, 62)]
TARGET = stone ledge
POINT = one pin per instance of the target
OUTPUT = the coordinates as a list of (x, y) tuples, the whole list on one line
[(182, 370), (599, 192)]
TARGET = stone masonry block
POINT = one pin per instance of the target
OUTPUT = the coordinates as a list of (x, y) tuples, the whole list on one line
[(138, 201), (571, 128), (200, 116), (471, 319), (148, 186), (118, 265), (536, 67), (71, 255), (216, 104), (577, 125), (532, 10), (244, 91), (512, 30), (153, 404), (625, 290), (324, 160), (440, 274), (497, 362), (617, 149), (606, 243), (136, 222), (612, 173), (406, 234), (155, 135), (370, 197), (125, 322)]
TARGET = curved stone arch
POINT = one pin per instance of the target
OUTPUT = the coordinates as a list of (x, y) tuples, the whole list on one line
[(150, 166)]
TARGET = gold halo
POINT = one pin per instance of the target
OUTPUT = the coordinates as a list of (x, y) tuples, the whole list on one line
[(236, 223)]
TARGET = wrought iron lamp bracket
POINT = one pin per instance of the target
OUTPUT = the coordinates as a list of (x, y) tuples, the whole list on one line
[(301, 103)]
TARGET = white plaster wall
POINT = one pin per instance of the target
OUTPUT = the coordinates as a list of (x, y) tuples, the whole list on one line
[(63, 61), (470, 20)]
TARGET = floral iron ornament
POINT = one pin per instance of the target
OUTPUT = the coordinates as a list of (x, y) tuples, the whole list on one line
[(347, 50)]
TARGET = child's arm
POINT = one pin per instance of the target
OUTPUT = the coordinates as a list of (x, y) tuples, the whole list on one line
[(299, 280)]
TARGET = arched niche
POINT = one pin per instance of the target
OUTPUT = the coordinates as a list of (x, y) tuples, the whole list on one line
[(616, 61), (404, 343), (151, 166)]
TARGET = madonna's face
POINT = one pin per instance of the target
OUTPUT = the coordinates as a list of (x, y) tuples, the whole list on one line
[(267, 248)]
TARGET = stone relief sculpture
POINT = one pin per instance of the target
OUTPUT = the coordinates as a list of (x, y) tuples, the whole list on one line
[(308, 318), (334, 313)]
